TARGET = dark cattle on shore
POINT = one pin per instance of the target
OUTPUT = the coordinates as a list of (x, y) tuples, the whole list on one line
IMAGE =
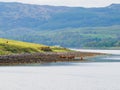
[(67, 56)]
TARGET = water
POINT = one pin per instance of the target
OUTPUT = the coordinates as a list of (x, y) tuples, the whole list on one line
[(115, 52), (99, 73)]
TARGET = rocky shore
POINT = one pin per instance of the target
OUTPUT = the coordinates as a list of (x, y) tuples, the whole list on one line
[(43, 57)]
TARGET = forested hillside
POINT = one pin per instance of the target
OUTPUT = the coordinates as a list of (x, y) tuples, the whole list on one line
[(93, 37), (76, 27), (17, 15)]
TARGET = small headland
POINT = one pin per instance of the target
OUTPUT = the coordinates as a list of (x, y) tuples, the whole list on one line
[(16, 52)]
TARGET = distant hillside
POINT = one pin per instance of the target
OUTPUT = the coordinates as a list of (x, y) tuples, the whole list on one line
[(37, 17), (89, 37), (15, 47), (76, 27)]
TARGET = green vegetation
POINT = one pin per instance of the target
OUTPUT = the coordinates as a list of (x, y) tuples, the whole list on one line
[(74, 27), (14, 47), (89, 37), (44, 17)]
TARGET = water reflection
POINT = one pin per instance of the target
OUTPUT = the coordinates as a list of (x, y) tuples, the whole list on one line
[(106, 58)]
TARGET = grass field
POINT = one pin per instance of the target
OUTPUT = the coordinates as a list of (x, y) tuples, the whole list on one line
[(14, 47)]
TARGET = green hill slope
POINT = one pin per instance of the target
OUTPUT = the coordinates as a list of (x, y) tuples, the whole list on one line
[(15, 47), (44, 17), (74, 27), (89, 37)]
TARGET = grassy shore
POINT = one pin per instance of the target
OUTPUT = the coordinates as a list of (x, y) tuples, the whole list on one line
[(17, 52), (19, 47)]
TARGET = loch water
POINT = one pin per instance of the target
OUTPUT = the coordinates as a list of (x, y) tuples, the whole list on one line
[(98, 73)]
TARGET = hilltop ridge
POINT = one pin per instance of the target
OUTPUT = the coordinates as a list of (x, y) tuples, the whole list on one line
[(19, 15)]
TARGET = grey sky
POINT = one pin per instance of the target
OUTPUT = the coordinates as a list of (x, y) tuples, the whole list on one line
[(84, 3)]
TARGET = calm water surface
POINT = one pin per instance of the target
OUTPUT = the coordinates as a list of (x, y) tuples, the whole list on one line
[(99, 73), (113, 56)]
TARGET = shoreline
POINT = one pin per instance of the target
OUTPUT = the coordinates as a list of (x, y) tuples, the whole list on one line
[(39, 58)]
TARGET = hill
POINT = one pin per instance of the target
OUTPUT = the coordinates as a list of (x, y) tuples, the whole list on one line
[(17, 47), (88, 37), (37, 17), (75, 27)]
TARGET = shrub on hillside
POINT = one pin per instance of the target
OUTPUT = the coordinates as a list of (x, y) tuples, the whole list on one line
[(46, 49)]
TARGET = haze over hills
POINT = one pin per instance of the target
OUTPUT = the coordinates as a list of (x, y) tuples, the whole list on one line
[(54, 25)]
